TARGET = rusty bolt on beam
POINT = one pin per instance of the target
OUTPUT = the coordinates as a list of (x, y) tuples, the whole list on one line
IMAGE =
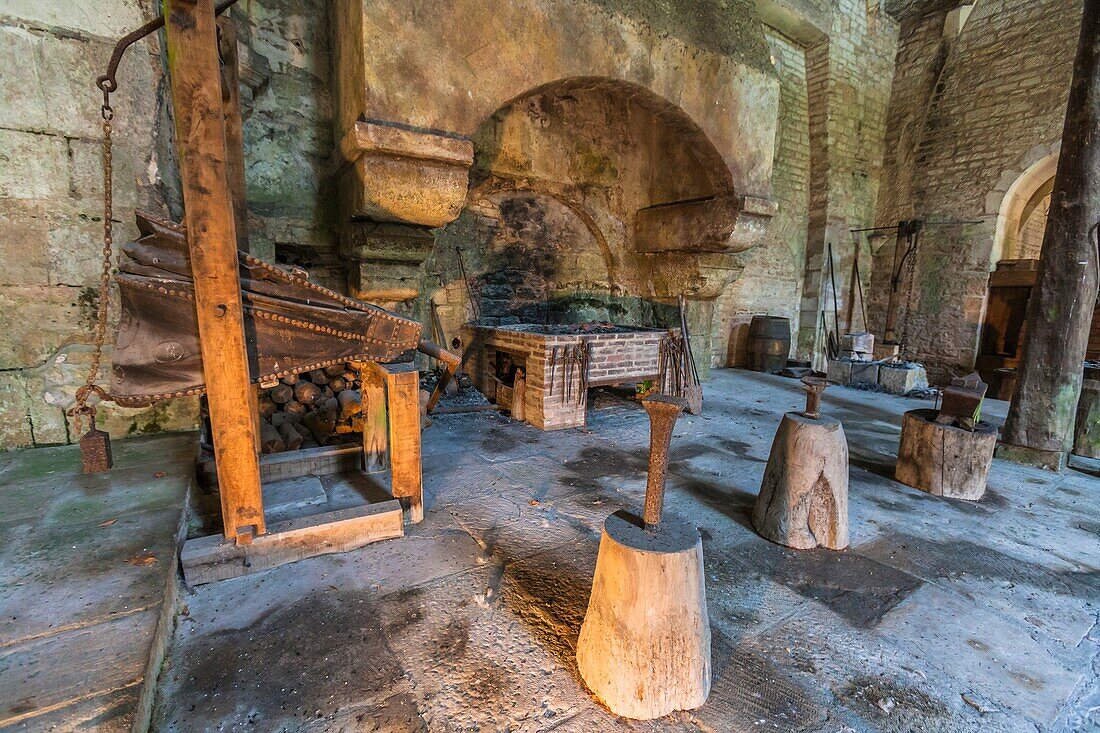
[(814, 386), (663, 412)]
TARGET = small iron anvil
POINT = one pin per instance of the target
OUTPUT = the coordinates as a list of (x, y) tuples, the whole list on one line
[(961, 403)]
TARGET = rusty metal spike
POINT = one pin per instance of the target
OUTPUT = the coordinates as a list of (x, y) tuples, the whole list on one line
[(663, 412)]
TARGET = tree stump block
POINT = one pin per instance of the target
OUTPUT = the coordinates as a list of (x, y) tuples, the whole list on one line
[(942, 459), (1086, 431), (644, 648), (803, 499)]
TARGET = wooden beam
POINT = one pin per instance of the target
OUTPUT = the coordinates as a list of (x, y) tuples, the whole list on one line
[(200, 141), (234, 122), (207, 559), (403, 407), (375, 430), (323, 460), (1039, 428)]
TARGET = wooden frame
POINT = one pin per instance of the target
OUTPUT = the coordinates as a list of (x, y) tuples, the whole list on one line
[(208, 123)]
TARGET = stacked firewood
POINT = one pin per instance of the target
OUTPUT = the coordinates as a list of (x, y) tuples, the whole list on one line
[(321, 407)]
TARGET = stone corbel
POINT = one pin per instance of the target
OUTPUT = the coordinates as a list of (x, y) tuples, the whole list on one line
[(752, 223), (722, 224), (399, 173)]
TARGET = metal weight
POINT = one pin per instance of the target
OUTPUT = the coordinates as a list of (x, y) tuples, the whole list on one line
[(95, 450)]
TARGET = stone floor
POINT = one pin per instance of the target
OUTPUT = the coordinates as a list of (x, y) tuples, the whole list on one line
[(943, 615), (87, 582)]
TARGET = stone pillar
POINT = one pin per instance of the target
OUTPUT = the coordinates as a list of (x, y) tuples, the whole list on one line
[(1040, 421), (384, 259)]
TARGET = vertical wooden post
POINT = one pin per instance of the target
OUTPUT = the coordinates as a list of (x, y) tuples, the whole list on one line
[(254, 408), (403, 406), (402, 391), (373, 399), (234, 123), (1039, 427), (200, 140)]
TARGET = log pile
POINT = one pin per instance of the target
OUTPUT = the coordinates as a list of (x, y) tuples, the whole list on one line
[(321, 407)]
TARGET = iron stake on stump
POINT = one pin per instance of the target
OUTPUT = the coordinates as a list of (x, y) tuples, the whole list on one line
[(644, 646), (663, 413), (814, 386)]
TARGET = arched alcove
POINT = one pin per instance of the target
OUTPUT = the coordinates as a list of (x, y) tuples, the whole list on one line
[(1021, 221), (1018, 207), (411, 92), (589, 199)]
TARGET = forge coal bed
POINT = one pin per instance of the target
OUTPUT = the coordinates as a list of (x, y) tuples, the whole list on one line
[(554, 395)]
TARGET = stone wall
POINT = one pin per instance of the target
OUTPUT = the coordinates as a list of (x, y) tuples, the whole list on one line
[(771, 279), (288, 137), (834, 92), (849, 80), (51, 186), (1029, 240), (969, 116)]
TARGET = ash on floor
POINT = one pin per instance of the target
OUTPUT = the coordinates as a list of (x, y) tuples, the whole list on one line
[(942, 616)]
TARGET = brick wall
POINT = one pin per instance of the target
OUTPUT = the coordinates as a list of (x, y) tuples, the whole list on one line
[(613, 358), (959, 141)]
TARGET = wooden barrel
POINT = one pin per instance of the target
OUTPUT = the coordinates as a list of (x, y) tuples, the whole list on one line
[(769, 343), (1086, 433)]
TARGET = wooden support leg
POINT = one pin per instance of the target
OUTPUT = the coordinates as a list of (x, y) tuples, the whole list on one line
[(402, 383), (234, 122), (254, 405), (200, 140), (375, 430), (403, 405)]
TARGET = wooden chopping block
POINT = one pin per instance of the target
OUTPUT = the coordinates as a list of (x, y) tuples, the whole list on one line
[(803, 499), (644, 647), (942, 459)]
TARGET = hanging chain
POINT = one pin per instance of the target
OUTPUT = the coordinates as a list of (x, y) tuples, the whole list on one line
[(107, 84), (90, 387)]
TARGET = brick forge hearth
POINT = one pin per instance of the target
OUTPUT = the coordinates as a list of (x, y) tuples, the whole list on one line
[(616, 356)]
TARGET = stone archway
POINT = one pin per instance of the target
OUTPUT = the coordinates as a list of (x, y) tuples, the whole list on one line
[(1020, 193), (600, 196), (412, 89), (1023, 189)]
